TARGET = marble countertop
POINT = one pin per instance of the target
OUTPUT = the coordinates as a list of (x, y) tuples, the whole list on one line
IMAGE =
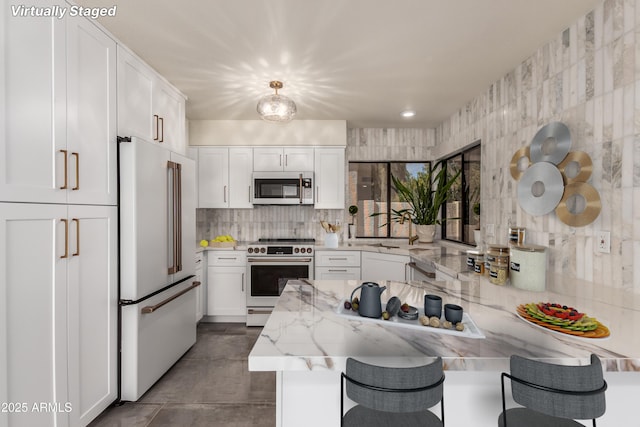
[(305, 334)]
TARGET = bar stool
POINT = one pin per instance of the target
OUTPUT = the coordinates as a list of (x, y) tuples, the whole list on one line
[(553, 395), (392, 396)]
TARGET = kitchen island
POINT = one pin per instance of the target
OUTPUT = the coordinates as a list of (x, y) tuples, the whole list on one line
[(307, 343)]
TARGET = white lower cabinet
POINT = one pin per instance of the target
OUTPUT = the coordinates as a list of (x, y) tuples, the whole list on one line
[(343, 265), (58, 287), (377, 266), (226, 286)]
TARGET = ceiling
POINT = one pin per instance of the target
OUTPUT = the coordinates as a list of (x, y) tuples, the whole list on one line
[(363, 61)]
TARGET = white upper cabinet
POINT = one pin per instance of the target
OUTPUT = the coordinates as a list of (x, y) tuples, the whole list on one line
[(240, 184), (32, 108), (169, 106), (224, 177), (213, 177), (329, 176), (57, 112), (148, 107), (91, 114), (274, 159)]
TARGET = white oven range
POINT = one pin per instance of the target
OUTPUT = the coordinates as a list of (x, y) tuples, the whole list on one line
[(270, 263)]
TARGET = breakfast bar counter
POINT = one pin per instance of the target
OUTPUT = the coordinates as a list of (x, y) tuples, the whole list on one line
[(306, 342)]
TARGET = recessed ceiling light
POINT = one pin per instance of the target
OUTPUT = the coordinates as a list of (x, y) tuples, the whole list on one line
[(408, 113)]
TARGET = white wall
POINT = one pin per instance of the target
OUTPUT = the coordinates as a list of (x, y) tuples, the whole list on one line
[(259, 132)]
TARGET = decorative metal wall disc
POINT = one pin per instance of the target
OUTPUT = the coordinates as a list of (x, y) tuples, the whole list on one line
[(520, 162), (540, 188), (551, 144), (576, 167), (580, 205)]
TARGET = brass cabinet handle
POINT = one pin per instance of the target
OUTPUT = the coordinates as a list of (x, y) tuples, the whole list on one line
[(66, 166), (66, 238), (161, 120), (156, 118), (77, 156), (77, 252)]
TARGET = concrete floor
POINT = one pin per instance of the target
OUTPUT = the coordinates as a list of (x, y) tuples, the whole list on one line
[(210, 386)]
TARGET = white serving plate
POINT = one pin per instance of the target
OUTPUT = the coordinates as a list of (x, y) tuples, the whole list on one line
[(560, 332), (471, 330)]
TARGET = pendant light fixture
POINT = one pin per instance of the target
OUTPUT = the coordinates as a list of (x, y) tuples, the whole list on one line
[(276, 108)]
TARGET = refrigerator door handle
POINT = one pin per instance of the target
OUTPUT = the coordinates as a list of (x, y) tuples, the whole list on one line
[(151, 308), (179, 216), (173, 169)]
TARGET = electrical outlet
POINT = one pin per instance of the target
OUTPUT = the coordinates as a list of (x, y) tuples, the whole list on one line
[(604, 242), (490, 230)]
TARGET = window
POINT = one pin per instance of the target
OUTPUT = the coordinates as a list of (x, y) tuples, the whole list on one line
[(371, 192), (463, 201)]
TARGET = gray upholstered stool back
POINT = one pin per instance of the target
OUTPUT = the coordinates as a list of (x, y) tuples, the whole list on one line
[(395, 378), (567, 378)]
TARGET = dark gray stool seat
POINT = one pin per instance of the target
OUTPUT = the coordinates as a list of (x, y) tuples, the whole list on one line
[(392, 396), (553, 395), (359, 416)]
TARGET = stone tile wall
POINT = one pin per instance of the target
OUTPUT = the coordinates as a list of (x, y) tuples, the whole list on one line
[(587, 77)]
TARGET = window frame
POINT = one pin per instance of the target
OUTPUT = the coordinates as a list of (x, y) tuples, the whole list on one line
[(464, 202), (388, 163)]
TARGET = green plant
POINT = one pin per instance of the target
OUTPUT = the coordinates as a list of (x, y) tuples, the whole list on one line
[(425, 195)]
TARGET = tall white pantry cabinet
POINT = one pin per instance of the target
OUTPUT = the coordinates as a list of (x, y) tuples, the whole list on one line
[(58, 221)]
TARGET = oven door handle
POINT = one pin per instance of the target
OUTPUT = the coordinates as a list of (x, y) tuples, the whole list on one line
[(280, 260)]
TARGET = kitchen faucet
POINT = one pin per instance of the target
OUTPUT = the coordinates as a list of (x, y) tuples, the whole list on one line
[(404, 217)]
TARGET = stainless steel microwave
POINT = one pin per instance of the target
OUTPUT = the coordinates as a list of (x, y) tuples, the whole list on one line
[(283, 188)]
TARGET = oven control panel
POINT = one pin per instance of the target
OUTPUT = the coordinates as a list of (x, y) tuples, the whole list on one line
[(280, 250), (281, 247)]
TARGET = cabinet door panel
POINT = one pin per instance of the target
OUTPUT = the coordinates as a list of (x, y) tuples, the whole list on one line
[(329, 175), (268, 159), (169, 106), (377, 266), (298, 159), (33, 346), (240, 169), (32, 108), (213, 177), (226, 293), (93, 311), (91, 120), (135, 89)]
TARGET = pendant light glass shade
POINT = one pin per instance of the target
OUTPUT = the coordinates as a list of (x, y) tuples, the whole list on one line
[(276, 108)]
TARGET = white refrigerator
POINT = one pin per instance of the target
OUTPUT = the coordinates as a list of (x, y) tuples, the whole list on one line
[(157, 262)]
